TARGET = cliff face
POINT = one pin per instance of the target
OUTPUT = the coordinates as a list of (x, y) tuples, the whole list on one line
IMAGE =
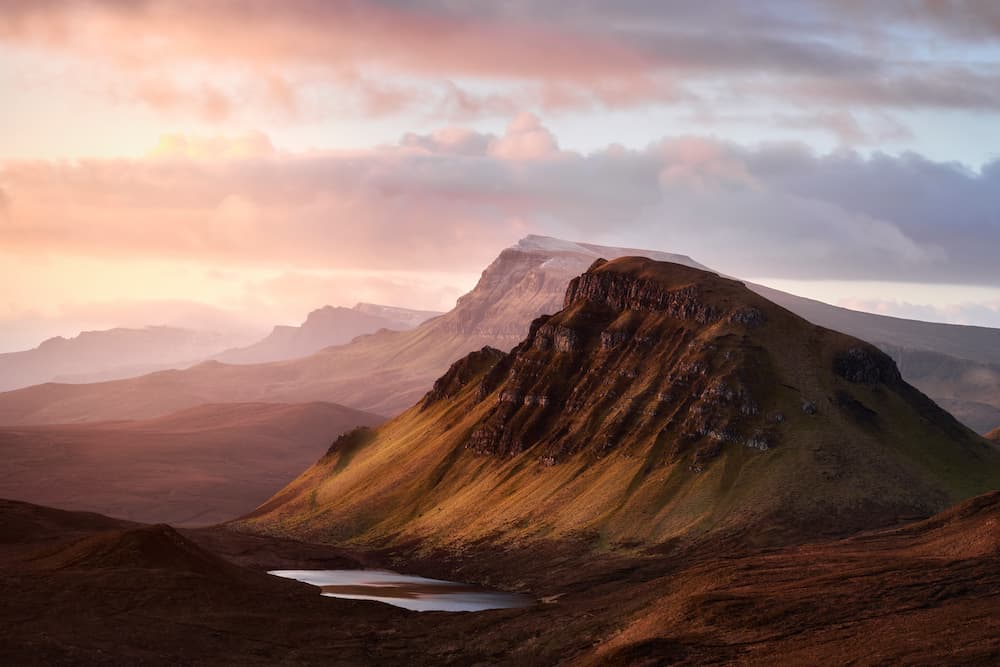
[(623, 363), (513, 289), (660, 401)]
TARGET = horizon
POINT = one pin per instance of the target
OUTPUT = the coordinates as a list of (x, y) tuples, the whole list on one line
[(222, 321)]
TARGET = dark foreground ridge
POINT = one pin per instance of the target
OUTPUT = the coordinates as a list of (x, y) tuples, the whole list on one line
[(115, 593)]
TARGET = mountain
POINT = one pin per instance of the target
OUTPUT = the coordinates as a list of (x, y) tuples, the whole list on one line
[(202, 465), (387, 371), (660, 402), (109, 354), (324, 327), (994, 435)]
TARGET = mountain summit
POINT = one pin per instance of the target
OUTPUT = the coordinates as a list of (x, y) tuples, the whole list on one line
[(661, 401)]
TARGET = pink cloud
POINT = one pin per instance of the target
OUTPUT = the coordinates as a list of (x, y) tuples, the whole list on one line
[(452, 197), (525, 139)]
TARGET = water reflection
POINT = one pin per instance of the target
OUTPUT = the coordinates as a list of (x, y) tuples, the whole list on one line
[(406, 591)]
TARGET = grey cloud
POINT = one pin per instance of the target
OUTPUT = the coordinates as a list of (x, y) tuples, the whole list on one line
[(447, 200), (822, 55)]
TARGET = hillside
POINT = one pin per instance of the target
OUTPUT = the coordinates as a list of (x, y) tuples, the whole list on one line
[(199, 466), (325, 327), (388, 371), (661, 401)]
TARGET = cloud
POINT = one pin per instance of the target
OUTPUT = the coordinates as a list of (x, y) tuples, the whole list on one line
[(4, 205), (394, 56), (525, 139), (450, 199)]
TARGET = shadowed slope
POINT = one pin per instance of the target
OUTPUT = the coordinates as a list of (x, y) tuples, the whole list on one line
[(661, 401)]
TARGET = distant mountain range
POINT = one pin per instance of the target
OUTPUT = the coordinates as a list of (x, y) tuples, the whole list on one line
[(112, 354), (94, 356), (325, 327), (660, 402), (387, 371)]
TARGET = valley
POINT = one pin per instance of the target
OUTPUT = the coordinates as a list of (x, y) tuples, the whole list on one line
[(198, 466)]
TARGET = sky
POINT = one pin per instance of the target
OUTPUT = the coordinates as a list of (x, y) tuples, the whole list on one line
[(237, 163)]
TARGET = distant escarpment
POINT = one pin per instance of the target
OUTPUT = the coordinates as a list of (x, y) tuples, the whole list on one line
[(661, 401)]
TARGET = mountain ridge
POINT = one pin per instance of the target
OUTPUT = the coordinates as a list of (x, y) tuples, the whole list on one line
[(113, 353), (385, 372)]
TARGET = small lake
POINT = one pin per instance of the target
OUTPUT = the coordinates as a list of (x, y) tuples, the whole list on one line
[(406, 591)]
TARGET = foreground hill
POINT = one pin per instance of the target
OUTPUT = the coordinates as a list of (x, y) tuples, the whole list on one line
[(325, 327), (198, 466), (388, 371), (114, 353), (84, 589), (662, 401)]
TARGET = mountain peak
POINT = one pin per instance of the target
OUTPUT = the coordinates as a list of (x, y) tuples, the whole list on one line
[(658, 391)]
